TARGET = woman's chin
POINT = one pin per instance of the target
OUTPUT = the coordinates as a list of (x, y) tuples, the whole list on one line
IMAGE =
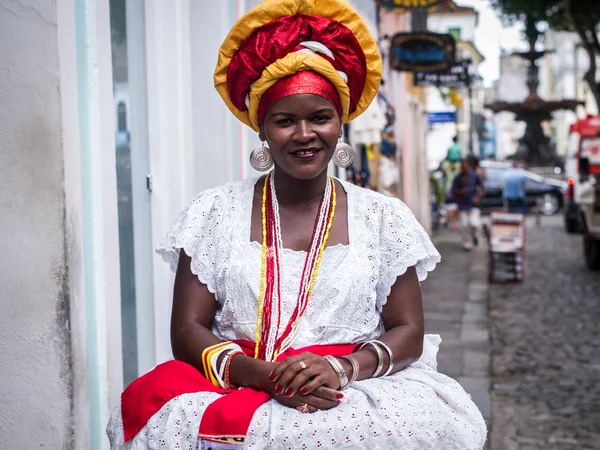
[(305, 170)]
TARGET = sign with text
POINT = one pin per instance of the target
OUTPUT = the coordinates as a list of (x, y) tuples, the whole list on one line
[(441, 117), (422, 52), (409, 5), (456, 77)]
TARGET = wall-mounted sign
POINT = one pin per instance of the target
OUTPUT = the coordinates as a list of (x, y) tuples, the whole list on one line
[(422, 52), (409, 5), (456, 77), (441, 117)]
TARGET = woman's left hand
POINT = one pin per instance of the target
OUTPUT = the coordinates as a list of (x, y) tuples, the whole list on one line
[(291, 377)]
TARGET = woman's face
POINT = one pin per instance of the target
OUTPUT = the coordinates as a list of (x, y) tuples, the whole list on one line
[(302, 132)]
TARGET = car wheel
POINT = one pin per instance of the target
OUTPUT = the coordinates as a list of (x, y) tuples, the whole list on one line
[(591, 250), (572, 225), (549, 204)]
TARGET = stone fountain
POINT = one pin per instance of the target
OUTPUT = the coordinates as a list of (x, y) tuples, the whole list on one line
[(534, 148)]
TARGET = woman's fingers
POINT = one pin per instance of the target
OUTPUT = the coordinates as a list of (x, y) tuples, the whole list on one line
[(327, 393), (319, 402), (311, 374), (289, 368)]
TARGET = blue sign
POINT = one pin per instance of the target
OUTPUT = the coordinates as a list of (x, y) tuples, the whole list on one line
[(441, 117)]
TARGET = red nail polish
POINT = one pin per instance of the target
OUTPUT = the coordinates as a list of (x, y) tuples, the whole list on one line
[(338, 402), (278, 390), (272, 376), (303, 391), (339, 395), (288, 392)]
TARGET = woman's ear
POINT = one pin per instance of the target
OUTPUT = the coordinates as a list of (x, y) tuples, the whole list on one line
[(261, 135)]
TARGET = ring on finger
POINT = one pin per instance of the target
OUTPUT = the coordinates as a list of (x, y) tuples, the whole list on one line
[(302, 364), (303, 408)]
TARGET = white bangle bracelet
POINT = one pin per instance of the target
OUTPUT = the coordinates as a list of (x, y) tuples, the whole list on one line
[(355, 368), (379, 356), (390, 354), (339, 370)]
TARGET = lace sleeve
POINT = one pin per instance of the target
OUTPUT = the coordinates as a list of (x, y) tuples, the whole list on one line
[(200, 230), (403, 244)]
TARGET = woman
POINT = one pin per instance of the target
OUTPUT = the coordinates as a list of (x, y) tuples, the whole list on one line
[(297, 318)]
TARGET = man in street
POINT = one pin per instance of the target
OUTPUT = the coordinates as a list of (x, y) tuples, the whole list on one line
[(468, 192), (514, 190)]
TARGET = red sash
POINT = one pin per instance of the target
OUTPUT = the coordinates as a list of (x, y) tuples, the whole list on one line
[(226, 419)]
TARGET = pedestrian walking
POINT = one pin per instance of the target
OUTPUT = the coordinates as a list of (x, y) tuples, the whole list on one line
[(514, 194), (273, 271), (454, 151), (468, 191)]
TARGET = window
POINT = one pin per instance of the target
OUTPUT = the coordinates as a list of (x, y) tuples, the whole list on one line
[(455, 33)]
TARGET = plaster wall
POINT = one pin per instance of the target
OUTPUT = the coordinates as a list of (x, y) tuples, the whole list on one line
[(35, 361)]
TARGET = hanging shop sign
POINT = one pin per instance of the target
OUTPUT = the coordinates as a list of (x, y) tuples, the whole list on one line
[(410, 5), (441, 117), (456, 77), (422, 52)]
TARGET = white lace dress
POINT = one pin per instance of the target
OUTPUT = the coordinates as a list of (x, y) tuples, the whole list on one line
[(416, 408)]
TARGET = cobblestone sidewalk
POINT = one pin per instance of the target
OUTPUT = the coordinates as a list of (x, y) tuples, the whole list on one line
[(455, 298)]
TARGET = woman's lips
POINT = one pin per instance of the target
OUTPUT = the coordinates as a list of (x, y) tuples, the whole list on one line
[(305, 154)]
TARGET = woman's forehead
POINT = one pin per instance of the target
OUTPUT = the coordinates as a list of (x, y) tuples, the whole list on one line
[(301, 103)]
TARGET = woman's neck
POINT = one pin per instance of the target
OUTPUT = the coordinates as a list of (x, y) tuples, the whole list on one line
[(291, 190)]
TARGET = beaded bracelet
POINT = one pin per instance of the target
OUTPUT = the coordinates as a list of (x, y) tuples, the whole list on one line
[(339, 370), (379, 356), (355, 368), (229, 358)]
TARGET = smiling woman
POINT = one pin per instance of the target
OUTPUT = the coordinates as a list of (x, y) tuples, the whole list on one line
[(302, 131), (297, 294)]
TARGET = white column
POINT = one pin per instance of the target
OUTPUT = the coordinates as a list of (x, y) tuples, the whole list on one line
[(170, 140), (99, 212)]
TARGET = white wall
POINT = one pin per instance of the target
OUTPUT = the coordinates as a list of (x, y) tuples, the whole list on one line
[(441, 23), (35, 364)]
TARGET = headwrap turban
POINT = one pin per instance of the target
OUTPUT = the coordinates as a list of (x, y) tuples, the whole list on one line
[(287, 47)]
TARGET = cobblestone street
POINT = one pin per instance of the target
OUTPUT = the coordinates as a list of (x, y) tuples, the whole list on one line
[(545, 335)]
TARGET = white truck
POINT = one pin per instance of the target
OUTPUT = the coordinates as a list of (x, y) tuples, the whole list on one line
[(590, 210)]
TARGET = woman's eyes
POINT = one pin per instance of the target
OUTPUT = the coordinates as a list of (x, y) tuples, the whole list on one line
[(316, 119)]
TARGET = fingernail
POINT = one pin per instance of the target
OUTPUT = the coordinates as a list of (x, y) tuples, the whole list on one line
[(278, 390), (288, 392), (272, 376), (338, 402), (303, 391), (339, 395)]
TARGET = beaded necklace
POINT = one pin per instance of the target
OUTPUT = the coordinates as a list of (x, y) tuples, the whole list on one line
[(268, 344)]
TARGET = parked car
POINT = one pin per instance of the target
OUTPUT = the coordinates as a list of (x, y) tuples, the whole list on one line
[(549, 192)]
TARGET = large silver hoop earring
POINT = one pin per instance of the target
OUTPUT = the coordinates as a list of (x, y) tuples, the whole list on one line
[(261, 159), (343, 155)]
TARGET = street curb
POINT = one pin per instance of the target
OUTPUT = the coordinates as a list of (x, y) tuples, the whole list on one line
[(476, 334)]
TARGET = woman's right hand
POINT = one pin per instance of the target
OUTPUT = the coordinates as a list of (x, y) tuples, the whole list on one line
[(254, 373)]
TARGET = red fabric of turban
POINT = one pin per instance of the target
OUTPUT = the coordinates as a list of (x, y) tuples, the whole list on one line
[(305, 82)]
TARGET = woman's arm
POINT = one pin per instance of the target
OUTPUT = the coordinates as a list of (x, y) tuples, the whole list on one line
[(194, 308)]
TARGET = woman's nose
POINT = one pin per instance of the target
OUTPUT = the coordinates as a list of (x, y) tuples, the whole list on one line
[(304, 131)]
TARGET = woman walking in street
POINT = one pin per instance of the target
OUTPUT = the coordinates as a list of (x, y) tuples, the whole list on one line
[(468, 192), (297, 319)]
